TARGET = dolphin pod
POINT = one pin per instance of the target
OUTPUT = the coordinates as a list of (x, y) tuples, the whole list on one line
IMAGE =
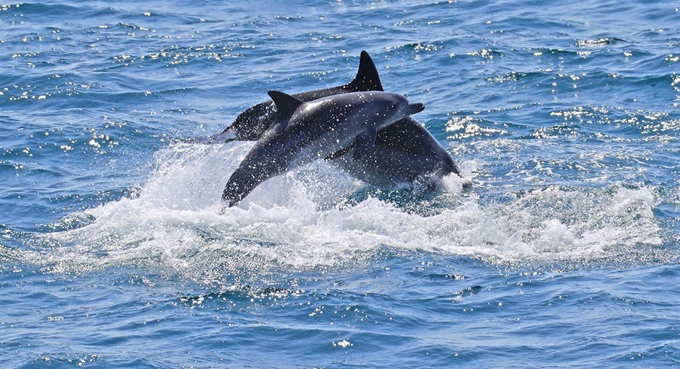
[(403, 152), (307, 131)]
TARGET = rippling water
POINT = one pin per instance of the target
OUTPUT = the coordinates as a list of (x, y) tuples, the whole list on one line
[(113, 251)]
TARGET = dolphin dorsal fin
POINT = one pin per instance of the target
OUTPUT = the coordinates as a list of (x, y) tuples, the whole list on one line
[(367, 78), (286, 104)]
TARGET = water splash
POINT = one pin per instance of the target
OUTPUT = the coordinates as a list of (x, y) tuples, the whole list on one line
[(304, 220)]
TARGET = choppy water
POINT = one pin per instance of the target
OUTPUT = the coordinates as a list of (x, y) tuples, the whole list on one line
[(564, 254)]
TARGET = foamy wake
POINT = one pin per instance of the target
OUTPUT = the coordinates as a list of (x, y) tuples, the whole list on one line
[(307, 219)]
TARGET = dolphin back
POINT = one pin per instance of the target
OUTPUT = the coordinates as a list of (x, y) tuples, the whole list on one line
[(254, 121)]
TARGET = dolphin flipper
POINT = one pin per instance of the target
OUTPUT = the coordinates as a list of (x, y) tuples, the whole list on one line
[(365, 142)]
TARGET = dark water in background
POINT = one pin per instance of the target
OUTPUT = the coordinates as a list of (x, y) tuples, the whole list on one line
[(565, 253)]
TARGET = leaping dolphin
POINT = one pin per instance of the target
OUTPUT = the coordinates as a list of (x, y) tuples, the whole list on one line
[(403, 152), (306, 131)]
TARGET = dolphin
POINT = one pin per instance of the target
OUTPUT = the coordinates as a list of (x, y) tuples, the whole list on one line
[(403, 153), (306, 131), (254, 121)]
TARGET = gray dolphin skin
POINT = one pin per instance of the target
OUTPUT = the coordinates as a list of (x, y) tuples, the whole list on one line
[(307, 131), (254, 121), (403, 153)]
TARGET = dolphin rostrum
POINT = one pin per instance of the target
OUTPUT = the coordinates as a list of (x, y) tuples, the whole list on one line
[(305, 131)]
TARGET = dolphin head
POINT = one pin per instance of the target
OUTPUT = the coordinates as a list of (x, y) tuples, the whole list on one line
[(392, 107)]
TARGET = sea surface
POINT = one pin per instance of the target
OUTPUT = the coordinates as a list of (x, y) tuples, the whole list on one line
[(114, 251)]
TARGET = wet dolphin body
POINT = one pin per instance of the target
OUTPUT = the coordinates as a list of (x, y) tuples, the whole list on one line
[(254, 121), (403, 152), (307, 131)]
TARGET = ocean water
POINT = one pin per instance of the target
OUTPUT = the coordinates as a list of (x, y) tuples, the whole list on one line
[(565, 253)]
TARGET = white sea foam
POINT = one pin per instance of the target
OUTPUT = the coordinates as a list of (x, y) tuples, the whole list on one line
[(303, 220)]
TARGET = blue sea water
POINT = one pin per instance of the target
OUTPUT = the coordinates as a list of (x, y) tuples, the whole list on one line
[(565, 253)]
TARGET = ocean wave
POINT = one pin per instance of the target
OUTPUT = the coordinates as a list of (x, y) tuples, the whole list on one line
[(295, 223)]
